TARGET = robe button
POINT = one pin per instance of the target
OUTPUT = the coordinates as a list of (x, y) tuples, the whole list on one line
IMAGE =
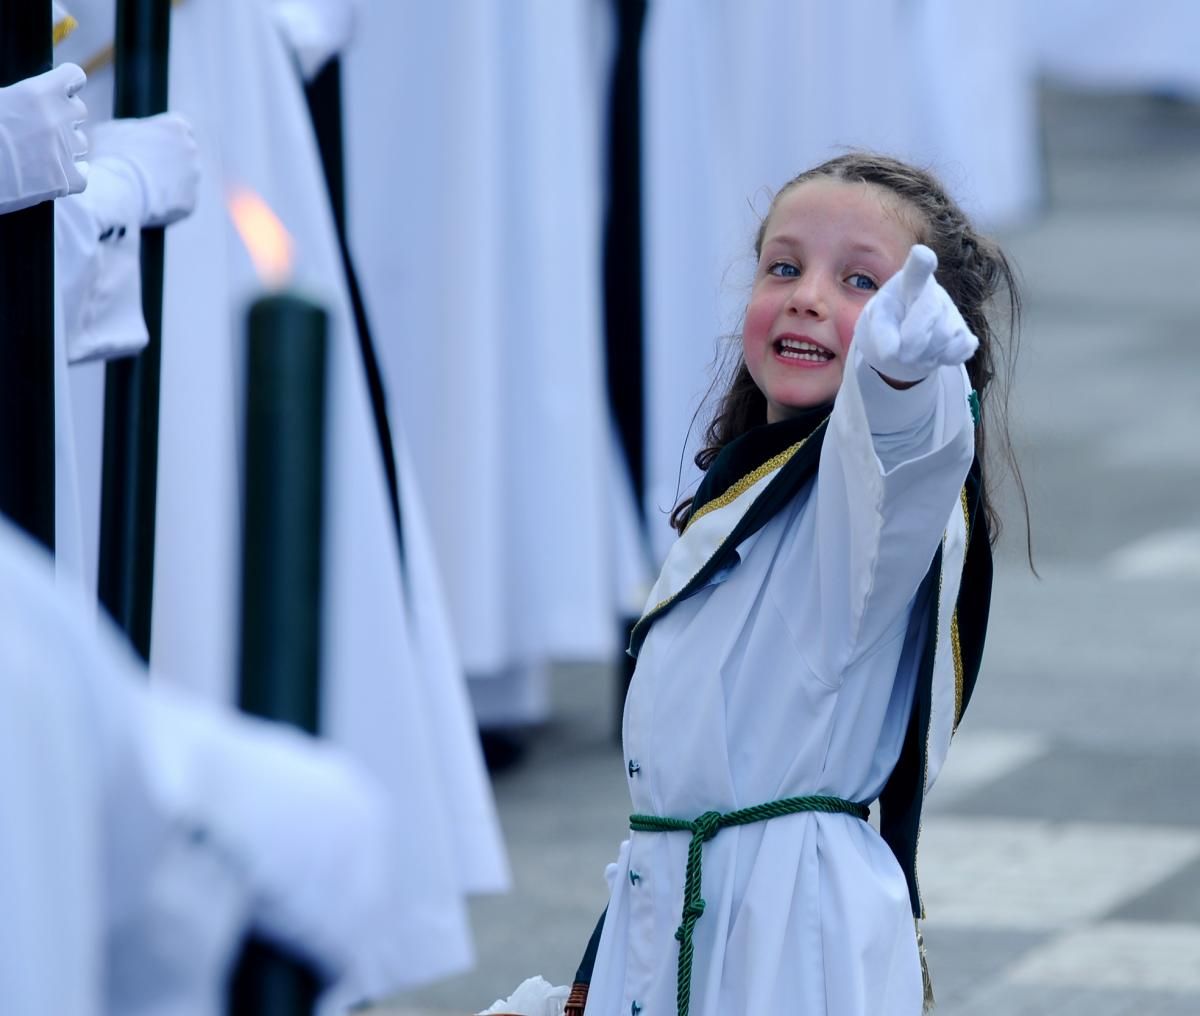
[(635, 1009), (634, 768), (634, 877)]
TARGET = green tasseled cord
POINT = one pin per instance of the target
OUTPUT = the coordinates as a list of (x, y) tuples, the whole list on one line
[(705, 828)]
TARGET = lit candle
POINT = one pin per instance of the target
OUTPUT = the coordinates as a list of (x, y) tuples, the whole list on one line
[(281, 549), (281, 581)]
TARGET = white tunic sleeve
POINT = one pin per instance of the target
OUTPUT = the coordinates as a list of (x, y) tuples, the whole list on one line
[(892, 465), (100, 279)]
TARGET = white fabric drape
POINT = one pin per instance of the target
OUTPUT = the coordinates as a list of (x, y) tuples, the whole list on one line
[(475, 205), (391, 690)]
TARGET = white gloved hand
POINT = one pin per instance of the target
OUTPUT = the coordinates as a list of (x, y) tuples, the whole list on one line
[(314, 835), (152, 170), (315, 30), (534, 996), (42, 149), (911, 326)]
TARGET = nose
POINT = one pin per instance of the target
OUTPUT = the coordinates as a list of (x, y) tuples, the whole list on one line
[(809, 296)]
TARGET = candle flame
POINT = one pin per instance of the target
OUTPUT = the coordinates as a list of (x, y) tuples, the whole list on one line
[(266, 239)]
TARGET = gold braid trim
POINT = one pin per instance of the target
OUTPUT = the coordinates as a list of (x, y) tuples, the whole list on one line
[(63, 28), (98, 61), (745, 483), (104, 56), (955, 645), (734, 491)]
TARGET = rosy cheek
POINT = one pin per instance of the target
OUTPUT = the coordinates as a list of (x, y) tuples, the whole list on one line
[(757, 326), (846, 326)]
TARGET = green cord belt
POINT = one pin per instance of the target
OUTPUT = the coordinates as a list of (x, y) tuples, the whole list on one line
[(705, 828)]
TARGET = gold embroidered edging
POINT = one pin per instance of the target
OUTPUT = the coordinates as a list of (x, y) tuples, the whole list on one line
[(732, 494), (955, 645), (737, 489)]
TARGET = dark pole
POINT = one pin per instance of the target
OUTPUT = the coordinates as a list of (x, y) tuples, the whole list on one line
[(27, 307), (127, 501), (324, 95), (281, 577), (623, 272)]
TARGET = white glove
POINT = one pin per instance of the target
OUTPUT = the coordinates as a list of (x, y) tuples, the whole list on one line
[(911, 326), (313, 834), (315, 30), (42, 149), (534, 997), (152, 171)]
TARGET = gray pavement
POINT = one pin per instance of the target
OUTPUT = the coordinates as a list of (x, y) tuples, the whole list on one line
[(1061, 853)]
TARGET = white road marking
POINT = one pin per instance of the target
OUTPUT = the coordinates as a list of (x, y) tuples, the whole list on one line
[(1169, 553), (1041, 875), (1118, 954)]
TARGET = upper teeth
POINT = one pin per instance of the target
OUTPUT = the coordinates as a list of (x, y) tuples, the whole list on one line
[(804, 347)]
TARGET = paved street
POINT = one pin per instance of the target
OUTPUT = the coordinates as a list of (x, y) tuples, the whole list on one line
[(1060, 857)]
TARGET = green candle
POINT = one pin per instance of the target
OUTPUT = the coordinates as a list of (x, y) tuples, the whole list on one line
[(281, 582), (281, 574)]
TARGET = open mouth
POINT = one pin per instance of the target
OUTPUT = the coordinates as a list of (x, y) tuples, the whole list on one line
[(802, 351)]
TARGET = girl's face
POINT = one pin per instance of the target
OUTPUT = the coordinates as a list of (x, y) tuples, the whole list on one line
[(828, 246)]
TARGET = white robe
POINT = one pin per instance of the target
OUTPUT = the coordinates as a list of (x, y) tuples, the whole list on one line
[(474, 159), (780, 679), (391, 692)]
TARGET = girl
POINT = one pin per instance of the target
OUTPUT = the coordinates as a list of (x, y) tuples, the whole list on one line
[(816, 629)]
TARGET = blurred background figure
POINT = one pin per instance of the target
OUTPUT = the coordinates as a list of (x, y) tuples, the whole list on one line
[(141, 172), (145, 831), (485, 286), (1108, 46), (193, 825), (392, 691)]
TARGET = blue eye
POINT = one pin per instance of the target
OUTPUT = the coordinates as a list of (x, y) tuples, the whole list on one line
[(783, 270), (863, 282)]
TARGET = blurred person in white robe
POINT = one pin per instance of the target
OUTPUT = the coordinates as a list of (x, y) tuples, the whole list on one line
[(736, 96), (1104, 45), (386, 696), (145, 832), (140, 173), (475, 206)]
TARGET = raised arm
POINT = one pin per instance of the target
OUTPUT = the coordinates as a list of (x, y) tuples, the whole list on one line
[(899, 445)]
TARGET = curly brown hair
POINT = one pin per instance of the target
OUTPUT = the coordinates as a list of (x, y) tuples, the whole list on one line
[(971, 268)]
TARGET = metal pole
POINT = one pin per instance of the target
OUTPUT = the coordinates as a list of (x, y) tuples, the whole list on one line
[(281, 576), (623, 275), (27, 307), (127, 503)]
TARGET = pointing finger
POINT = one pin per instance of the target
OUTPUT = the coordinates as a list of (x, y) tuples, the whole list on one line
[(918, 268)]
